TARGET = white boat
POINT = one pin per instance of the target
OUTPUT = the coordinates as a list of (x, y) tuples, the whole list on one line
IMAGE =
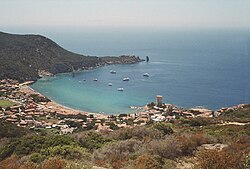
[(110, 84), (146, 74), (113, 71), (120, 89), (95, 79), (125, 79)]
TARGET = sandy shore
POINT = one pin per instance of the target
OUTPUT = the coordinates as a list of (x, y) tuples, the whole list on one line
[(52, 105)]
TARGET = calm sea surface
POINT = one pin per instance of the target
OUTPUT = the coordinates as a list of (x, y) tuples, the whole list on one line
[(189, 68)]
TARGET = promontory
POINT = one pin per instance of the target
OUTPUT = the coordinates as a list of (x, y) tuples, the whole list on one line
[(26, 57)]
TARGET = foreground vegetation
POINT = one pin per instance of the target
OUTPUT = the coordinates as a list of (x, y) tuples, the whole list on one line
[(154, 146)]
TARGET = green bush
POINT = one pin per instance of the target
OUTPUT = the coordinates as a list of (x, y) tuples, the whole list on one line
[(140, 133), (11, 130), (198, 121), (66, 151), (59, 140), (37, 157), (34, 144), (91, 140), (166, 128), (7, 150), (113, 126), (29, 145)]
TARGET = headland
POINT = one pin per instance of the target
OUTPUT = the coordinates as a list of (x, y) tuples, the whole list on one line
[(29, 57)]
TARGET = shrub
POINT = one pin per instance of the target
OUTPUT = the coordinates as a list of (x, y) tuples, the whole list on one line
[(54, 163), (37, 157), (233, 156), (116, 153), (169, 164), (29, 145), (14, 162), (28, 165), (219, 160), (34, 144), (7, 150), (9, 163), (198, 121), (11, 130), (4, 141), (122, 134), (91, 140), (147, 162), (146, 133), (190, 142), (166, 128), (168, 148), (140, 133), (59, 140), (66, 151)]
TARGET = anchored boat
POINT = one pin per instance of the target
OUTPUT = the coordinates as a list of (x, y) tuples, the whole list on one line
[(125, 79), (120, 89), (112, 71)]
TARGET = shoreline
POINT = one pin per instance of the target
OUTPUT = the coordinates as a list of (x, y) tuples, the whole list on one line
[(65, 110), (59, 108), (33, 109)]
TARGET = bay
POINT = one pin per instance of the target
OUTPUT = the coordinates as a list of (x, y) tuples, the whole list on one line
[(208, 68)]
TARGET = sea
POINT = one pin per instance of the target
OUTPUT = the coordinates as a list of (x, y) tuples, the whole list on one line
[(202, 67)]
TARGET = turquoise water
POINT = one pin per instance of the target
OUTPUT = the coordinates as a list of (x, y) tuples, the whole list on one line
[(192, 68)]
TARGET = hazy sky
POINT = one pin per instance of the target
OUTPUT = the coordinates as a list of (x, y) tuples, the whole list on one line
[(125, 13)]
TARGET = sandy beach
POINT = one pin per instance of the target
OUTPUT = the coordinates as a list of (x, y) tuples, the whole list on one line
[(53, 106)]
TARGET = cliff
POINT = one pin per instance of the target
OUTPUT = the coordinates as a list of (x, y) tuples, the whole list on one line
[(23, 57)]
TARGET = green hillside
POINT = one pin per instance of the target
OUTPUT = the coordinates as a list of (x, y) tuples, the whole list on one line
[(22, 56)]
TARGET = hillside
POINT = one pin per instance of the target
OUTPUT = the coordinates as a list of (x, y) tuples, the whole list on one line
[(23, 56)]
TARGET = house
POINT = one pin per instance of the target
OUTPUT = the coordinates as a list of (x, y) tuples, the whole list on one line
[(22, 123), (11, 120)]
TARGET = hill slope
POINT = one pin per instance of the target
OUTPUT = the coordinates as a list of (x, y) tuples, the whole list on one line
[(23, 56)]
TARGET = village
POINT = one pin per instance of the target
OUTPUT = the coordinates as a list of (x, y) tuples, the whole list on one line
[(28, 108)]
